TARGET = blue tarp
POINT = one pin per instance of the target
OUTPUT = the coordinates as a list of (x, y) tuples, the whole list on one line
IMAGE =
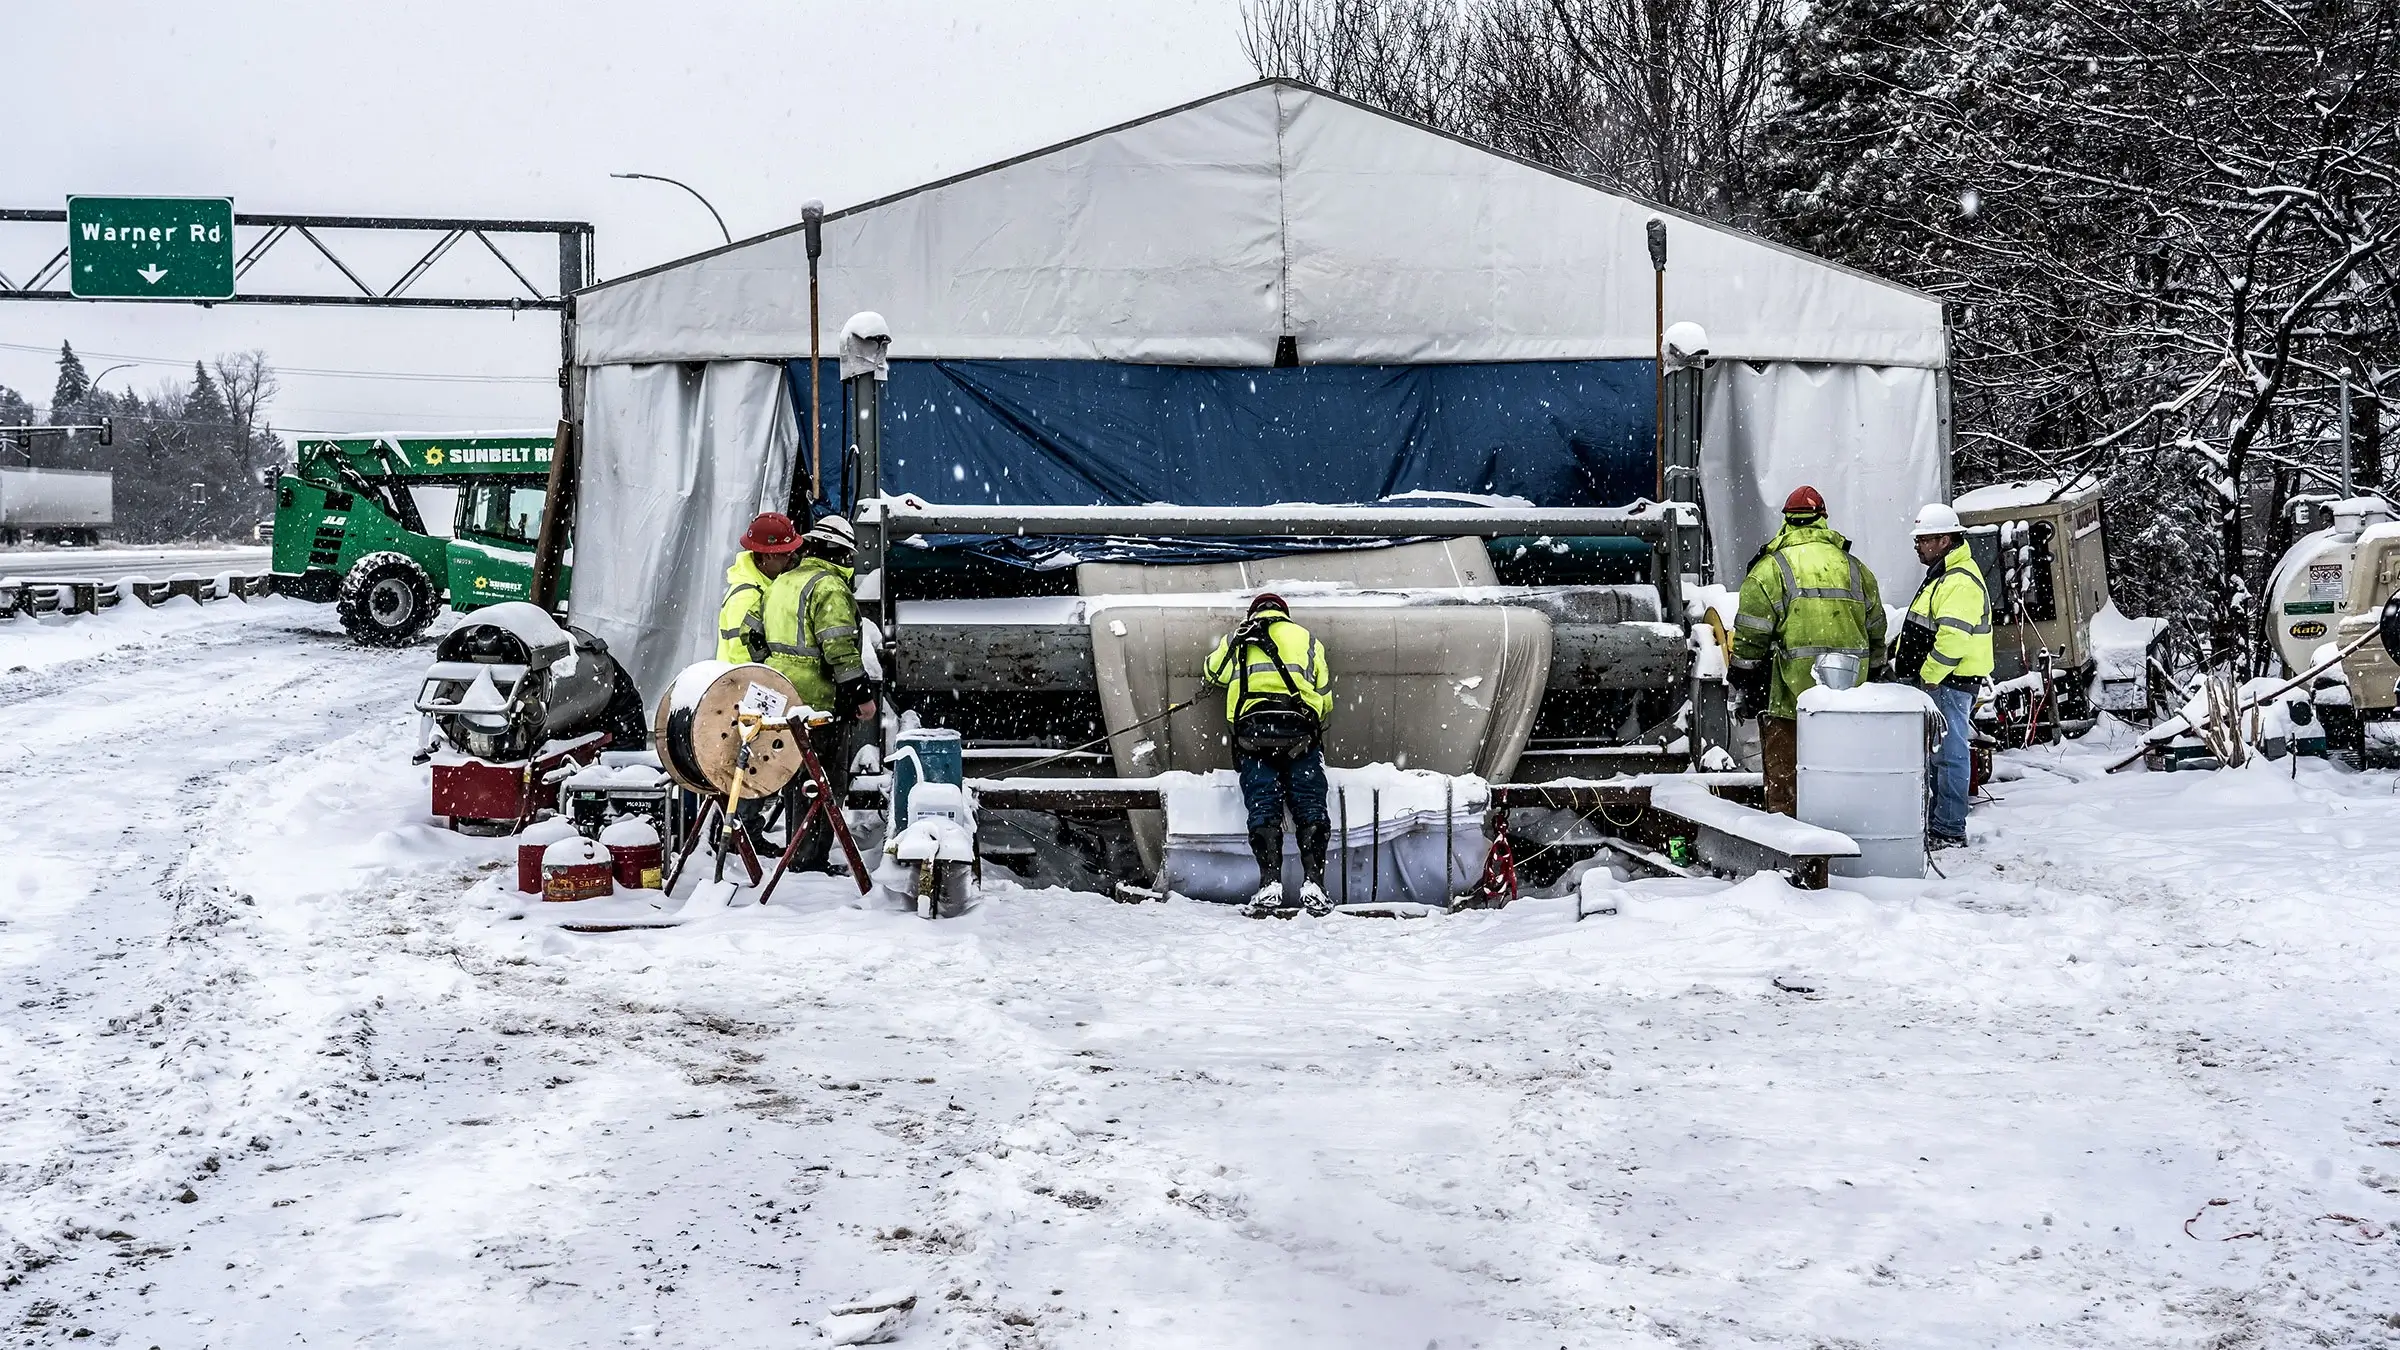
[(1099, 433)]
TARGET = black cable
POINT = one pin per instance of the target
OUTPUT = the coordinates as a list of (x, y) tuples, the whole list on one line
[(1098, 741)]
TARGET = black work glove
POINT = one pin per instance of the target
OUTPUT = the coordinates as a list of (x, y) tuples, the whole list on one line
[(858, 697), (1916, 643), (1749, 685)]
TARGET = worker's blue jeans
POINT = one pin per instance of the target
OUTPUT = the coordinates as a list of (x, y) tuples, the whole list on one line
[(1952, 763), (1270, 782)]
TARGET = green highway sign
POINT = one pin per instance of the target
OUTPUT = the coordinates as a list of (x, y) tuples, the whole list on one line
[(150, 248)]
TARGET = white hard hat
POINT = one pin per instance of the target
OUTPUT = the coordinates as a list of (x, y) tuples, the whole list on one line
[(834, 530), (1936, 518)]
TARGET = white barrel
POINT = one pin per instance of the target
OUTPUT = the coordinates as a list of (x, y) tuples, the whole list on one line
[(1862, 771)]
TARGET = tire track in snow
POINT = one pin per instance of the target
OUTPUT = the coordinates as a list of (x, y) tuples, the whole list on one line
[(2246, 997), (112, 1108)]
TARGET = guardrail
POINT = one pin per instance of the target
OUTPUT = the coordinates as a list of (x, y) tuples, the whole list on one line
[(67, 596)]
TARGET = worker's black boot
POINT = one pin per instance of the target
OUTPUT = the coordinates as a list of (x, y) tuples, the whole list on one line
[(1313, 836), (1266, 845)]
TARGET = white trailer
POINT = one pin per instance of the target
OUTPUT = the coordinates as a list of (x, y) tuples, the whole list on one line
[(55, 506)]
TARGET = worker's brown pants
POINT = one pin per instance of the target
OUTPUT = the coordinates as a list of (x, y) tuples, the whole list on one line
[(1779, 756)]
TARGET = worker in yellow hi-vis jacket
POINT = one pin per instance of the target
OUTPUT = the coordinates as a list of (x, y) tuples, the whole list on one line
[(1946, 647), (1278, 692), (1805, 596), (812, 633), (767, 549)]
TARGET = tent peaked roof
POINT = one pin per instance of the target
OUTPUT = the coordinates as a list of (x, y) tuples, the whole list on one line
[(1205, 233)]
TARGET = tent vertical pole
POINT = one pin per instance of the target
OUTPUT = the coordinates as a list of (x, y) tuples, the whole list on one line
[(1375, 850), (812, 220), (1658, 395), (816, 415)]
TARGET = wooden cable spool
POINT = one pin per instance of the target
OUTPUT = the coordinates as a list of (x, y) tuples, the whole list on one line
[(698, 744)]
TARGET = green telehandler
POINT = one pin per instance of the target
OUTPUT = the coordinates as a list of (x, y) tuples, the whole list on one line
[(348, 528)]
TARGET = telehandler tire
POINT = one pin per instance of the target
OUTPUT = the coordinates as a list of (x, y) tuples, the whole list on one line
[(386, 600)]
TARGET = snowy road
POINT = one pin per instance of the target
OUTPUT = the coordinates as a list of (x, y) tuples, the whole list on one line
[(1992, 1110)]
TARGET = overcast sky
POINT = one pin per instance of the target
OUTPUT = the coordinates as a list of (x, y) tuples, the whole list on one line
[(523, 108)]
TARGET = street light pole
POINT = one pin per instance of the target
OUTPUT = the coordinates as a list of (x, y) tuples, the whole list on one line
[(661, 178)]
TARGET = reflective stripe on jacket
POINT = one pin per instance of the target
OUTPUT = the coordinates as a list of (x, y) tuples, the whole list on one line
[(1955, 605), (812, 630), (1311, 680), (741, 620), (1806, 596)]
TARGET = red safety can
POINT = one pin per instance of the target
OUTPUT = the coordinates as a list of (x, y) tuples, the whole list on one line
[(575, 868), (536, 837), (634, 852)]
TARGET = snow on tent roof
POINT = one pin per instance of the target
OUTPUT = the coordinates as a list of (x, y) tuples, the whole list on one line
[(2007, 496), (1202, 234)]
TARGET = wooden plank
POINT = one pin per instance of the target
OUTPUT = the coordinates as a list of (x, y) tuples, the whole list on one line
[(1731, 837)]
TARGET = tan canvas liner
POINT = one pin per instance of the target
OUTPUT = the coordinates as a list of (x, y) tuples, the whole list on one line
[(1451, 688)]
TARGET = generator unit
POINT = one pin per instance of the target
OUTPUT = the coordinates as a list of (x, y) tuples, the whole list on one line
[(514, 705)]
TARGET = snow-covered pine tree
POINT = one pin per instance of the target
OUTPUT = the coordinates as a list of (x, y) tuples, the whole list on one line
[(204, 404), (73, 385), (1846, 170)]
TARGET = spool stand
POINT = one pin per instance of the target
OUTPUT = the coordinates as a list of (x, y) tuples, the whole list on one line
[(713, 808), (822, 801)]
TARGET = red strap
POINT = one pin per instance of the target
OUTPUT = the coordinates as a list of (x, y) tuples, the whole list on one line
[(1498, 885)]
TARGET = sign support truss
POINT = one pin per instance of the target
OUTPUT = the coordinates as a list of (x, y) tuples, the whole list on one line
[(575, 271), (574, 261)]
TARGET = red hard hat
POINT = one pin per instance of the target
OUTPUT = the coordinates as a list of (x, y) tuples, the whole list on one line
[(1266, 600), (772, 532), (1804, 501)]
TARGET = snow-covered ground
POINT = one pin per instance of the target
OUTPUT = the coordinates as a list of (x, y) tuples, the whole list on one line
[(282, 1075)]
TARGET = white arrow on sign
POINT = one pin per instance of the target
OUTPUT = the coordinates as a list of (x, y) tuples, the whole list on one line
[(152, 273)]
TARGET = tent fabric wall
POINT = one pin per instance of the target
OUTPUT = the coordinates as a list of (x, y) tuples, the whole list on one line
[(1867, 437), (1092, 433), (676, 459), (1203, 235)]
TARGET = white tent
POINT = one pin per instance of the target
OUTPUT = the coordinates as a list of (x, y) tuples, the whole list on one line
[(1205, 235)]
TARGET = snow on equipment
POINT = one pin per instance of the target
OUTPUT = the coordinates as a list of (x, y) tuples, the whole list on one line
[(733, 733), (575, 868), (635, 854), (2061, 651), (1862, 772), (2371, 669), (2308, 593), (1400, 836), (516, 704), (2216, 715), (532, 842), (935, 848), (1481, 637), (931, 834), (622, 786)]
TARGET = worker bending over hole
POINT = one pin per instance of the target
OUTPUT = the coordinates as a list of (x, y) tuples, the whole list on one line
[(1278, 691)]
